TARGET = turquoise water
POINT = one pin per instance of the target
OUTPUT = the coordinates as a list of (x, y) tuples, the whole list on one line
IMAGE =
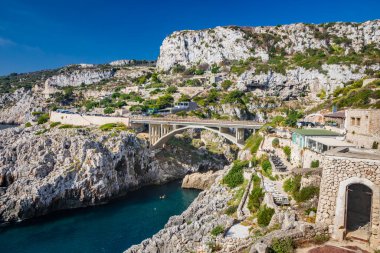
[(113, 227)]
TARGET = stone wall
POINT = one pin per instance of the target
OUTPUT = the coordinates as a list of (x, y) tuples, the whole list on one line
[(85, 120), (309, 156), (363, 127), (338, 173)]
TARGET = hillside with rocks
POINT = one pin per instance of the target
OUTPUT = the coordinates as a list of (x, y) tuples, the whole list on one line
[(231, 72)]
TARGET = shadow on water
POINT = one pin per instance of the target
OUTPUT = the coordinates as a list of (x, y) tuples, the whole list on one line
[(113, 227)]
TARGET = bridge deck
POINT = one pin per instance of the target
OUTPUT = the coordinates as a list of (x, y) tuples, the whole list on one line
[(198, 122)]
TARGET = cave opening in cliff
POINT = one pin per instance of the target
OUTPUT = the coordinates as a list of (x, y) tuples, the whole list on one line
[(358, 207)]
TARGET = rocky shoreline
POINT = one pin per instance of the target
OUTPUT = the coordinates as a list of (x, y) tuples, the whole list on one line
[(191, 230), (44, 169)]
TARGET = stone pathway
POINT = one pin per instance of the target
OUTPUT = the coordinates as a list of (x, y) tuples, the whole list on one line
[(238, 231)]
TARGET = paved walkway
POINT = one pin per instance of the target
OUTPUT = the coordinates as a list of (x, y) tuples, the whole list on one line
[(238, 231)]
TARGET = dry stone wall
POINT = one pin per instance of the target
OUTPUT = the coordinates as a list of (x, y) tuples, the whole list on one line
[(338, 173)]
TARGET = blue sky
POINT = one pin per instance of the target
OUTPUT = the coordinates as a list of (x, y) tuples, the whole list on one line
[(41, 34)]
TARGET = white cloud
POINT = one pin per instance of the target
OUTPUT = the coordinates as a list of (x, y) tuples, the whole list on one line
[(6, 42)]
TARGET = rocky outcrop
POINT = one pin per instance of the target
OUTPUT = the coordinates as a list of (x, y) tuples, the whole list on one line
[(43, 170), (77, 77), (236, 43), (17, 107), (190, 231), (297, 82), (200, 181)]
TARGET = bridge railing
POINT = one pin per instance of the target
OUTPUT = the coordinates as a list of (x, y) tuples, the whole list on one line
[(194, 120)]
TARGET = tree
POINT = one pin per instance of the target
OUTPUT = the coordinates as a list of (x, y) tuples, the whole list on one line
[(292, 117), (164, 101), (184, 98)]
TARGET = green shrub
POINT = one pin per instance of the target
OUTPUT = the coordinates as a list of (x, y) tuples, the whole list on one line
[(314, 164), (266, 166), (231, 210), (287, 151), (54, 124), (288, 185), (28, 124), (113, 126), (109, 110), (253, 142), (255, 198), (233, 97), (226, 84), (322, 94), (217, 230), (321, 239), (65, 126), (214, 68), (235, 175), (171, 89), (285, 245), (264, 215), (43, 118), (275, 142), (293, 186), (37, 113), (305, 193)]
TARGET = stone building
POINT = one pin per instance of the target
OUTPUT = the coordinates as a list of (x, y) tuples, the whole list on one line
[(335, 119), (349, 200), (363, 127)]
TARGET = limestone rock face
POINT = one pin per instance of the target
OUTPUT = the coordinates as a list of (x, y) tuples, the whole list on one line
[(236, 43), (17, 107), (210, 46), (78, 77), (200, 181), (70, 168)]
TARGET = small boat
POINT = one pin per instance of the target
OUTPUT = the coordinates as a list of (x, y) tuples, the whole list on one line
[(163, 196)]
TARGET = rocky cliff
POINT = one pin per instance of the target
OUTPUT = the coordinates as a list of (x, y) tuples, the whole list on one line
[(238, 43), (17, 107), (286, 60), (48, 169)]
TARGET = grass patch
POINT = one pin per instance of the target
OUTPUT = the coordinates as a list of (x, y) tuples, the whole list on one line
[(113, 126), (54, 124), (217, 230)]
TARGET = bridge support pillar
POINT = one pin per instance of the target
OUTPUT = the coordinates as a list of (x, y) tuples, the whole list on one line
[(154, 133), (240, 135), (165, 129)]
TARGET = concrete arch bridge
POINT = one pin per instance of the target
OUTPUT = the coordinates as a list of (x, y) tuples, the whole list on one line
[(161, 130)]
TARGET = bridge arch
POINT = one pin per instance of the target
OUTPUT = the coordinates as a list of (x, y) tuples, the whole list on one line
[(163, 139)]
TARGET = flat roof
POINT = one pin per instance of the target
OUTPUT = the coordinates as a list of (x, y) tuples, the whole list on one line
[(331, 142), (340, 114), (315, 132), (354, 153)]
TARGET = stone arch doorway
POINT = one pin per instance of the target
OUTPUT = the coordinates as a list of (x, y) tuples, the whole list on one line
[(358, 207)]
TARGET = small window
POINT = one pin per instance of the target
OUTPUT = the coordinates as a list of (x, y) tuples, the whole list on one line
[(358, 121), (352, 121)]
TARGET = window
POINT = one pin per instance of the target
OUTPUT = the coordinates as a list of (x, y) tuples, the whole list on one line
[(352, 121), (358, 121)]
